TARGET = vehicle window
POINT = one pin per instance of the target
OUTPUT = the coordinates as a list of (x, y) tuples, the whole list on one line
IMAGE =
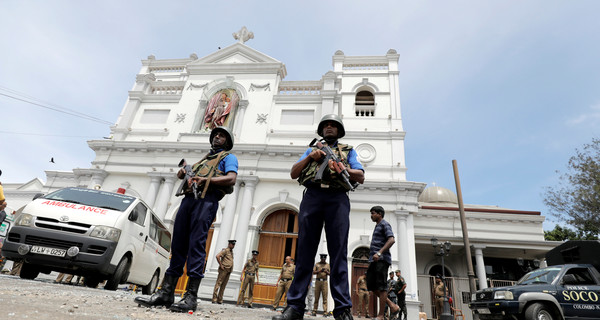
[(540, 276), (153, 229), (581, 276), (141, 211), (160, 233), (165, 239), (94, 198)]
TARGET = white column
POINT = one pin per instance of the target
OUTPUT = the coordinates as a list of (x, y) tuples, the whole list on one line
[(406, 255), (402, 241), (98, 176), (162, 203), (152, 192), (406, 252), (393, 73), (226, 224), (480, 265), (239, 118), (241, 230)]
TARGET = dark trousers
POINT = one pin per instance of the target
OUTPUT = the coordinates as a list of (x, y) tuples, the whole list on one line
[(190, 230), (331, 208)]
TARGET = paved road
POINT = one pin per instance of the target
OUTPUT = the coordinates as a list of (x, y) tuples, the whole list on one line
[(42, 299)]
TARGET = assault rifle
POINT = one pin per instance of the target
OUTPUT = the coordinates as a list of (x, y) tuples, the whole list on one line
[(188, 175), (338, 166)]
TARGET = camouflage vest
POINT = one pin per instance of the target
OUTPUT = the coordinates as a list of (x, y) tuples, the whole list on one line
[(330, 177), (210, 162)]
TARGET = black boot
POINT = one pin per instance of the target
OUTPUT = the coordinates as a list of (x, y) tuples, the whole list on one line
[(163, 296), (190, 297), (289, 313)]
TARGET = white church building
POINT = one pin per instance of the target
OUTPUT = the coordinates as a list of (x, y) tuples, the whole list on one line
[(168, 116)]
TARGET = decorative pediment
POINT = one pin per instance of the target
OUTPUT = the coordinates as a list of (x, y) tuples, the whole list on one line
[(237, 58), (236, 53), (32, 185)]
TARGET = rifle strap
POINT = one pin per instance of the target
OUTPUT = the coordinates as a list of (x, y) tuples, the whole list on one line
[(340, 151), (212, 172)]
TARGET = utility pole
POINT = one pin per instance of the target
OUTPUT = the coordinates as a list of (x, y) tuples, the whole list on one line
[(463, 223)]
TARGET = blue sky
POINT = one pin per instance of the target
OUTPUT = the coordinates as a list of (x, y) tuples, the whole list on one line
[(507, 88)]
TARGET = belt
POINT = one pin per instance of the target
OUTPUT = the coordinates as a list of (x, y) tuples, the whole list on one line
[(324, 187), (250, 274), (439, 297), (286, 279), (321, 279), (362, 289)]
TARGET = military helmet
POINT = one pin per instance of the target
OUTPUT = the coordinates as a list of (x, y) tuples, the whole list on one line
[(227, 133), (335, 118)]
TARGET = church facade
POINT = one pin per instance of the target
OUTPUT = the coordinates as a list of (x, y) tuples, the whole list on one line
[(173, 105)]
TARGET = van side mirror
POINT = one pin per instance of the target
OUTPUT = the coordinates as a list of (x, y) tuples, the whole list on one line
[(133, 216), (37, 195)]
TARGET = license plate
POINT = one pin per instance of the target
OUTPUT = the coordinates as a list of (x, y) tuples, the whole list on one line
[(48, 251), (483, 311)]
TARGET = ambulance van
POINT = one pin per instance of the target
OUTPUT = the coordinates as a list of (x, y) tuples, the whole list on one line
[(97, 234)]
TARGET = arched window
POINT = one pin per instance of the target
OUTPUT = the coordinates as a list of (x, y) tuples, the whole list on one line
[(364, 104)]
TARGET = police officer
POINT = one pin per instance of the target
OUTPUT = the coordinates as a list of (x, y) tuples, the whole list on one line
[(217, 171), (363, 296), (250, 274), (322, 270), (225, 260), (284, 281), (324, 203)]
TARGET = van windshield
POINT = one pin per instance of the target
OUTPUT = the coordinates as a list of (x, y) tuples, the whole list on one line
[(94, 198)]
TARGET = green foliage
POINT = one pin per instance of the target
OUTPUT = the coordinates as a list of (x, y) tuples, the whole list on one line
[(562, 234), (576, 198)]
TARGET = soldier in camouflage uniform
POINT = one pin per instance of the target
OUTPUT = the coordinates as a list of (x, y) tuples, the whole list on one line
[(400, 289)]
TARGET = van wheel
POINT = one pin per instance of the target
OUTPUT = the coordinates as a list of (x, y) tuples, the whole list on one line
[(538, 311), (113, 282), (29, 271), (151, 287), (91, 282)]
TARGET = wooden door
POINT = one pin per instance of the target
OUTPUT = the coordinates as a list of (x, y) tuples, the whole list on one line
[(358, 269), (278, 239), (360, 264)]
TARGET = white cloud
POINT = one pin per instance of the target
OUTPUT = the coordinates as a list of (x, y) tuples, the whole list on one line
[(591, 117)]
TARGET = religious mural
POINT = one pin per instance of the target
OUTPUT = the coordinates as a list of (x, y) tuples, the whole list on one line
[(221, 106)]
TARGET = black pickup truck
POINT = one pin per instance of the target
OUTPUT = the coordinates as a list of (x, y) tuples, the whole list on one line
[(569, 288)]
